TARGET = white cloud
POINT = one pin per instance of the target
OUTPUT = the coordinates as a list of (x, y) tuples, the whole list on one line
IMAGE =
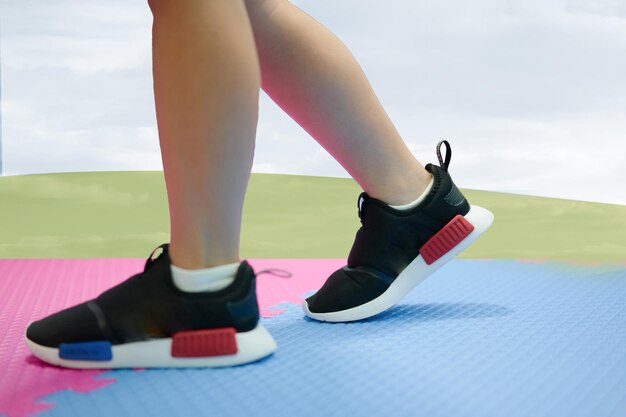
[(529, 93)]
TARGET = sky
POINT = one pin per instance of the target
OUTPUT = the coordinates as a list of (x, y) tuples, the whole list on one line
[(531, 94)]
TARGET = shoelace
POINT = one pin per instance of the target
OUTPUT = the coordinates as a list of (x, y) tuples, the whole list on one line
[(272, 271)]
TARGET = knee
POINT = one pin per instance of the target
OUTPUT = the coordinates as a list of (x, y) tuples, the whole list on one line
[(257, 6), (253, 6)]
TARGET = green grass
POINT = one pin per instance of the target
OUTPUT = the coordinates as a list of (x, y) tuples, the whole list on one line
[(125, 214)]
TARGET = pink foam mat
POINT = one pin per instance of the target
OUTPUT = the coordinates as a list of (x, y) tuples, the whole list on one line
[(33, 288)]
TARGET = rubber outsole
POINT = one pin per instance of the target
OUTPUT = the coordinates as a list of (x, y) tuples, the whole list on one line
[(410, 277), (251, 346)]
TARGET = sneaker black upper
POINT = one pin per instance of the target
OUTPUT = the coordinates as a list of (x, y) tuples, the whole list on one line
[(148, 305), (388, 241)]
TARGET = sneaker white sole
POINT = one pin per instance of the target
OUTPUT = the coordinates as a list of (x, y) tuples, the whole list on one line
[(251, 346), (410, 277)]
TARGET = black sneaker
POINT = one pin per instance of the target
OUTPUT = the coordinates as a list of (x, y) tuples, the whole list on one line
[(395, 250), (146, 321)]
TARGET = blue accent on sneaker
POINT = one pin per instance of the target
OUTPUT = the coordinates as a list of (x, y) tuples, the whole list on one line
[(88, 351)]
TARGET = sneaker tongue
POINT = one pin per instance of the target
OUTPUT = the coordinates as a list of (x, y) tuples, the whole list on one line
[(362, 197), (150, 260)]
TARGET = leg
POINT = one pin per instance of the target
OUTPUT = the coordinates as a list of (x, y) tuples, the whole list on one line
[(314, 78), (206, 85)]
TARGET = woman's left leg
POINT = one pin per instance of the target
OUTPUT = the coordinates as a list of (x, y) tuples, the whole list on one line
[(315, 79)]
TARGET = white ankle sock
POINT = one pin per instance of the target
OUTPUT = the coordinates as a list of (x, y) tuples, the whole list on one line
[(419, 199), (208, 279)]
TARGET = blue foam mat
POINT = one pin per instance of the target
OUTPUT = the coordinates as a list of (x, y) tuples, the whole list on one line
[(478, 338)]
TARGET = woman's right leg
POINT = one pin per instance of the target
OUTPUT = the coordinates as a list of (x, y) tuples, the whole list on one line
[(206, 86)]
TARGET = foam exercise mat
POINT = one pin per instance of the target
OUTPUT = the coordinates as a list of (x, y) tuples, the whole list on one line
[(477, 338)]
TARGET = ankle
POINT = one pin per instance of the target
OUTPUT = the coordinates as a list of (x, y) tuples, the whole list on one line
[(417, 201), (405, 193), (190, 259)]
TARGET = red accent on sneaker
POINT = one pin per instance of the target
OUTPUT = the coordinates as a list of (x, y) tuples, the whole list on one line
[(445, 239), (209, 342)]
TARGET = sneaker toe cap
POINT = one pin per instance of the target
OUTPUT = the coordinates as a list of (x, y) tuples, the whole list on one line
[(74, 324), (346, 289)]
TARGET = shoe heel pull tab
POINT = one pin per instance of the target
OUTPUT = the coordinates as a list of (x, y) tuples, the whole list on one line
[(445, 164)]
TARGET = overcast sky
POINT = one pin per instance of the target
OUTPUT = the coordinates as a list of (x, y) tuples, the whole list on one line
[(531, 94)]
